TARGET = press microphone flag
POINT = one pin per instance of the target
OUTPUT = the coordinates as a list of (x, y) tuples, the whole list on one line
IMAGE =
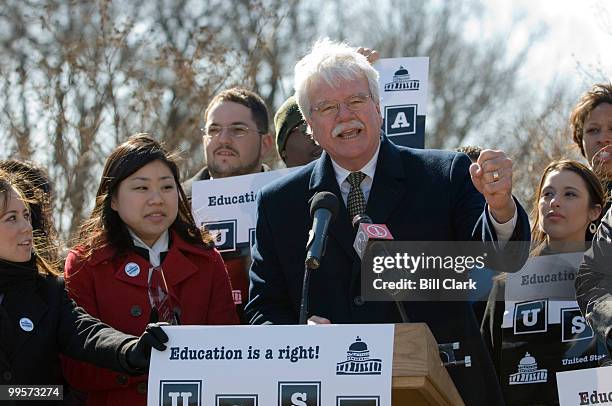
[(366, 232), (323, 209), (369, 232)]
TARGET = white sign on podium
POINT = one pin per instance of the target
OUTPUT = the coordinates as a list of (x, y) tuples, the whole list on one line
[(342, 365)]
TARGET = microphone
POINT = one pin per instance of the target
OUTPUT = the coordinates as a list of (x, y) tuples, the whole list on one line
[(323, 210), (366, 232)]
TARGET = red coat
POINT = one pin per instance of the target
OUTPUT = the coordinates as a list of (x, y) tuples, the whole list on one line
[(196, 279)]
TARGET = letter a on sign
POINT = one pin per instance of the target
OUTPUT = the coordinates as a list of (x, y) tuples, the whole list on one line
[(400, 120)]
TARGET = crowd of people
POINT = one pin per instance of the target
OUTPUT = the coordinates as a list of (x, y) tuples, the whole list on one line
[(140, 261)]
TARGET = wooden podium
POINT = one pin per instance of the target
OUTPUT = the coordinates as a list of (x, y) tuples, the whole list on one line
[(419, 378)]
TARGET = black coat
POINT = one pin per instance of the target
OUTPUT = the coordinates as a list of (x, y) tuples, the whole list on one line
[(594, 282), (32, 358), (421, 196)]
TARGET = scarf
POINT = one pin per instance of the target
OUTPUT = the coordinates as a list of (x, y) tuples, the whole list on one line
[(17, 276)]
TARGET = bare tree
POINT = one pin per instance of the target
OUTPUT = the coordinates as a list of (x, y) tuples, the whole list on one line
[(536, 135), (79, 77), (468, 80)]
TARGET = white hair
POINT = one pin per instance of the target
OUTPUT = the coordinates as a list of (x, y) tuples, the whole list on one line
[(331, 62)]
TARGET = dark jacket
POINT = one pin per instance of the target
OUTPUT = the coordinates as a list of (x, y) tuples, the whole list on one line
[(421, 196), (202, 174), (594, 282), (59, 326)]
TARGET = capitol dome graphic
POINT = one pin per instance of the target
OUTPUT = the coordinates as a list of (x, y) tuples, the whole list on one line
[(358, 361), (528, 372), (401, 81)]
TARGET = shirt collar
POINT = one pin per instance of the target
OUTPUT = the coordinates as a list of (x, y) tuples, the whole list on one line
[(368, 169), (161, 245)]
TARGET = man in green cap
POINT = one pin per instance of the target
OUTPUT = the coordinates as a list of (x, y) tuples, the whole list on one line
[(295, 146)]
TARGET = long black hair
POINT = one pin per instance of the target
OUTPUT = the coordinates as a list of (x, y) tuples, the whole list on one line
[(104, 227)]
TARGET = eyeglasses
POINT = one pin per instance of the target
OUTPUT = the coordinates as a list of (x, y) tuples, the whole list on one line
[(234, 130), (355, 102)]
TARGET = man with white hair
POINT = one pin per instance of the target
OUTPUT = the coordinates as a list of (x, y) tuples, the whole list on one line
[(420, 195)]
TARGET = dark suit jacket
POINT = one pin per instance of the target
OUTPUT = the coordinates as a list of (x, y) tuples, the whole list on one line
[(421, 196)]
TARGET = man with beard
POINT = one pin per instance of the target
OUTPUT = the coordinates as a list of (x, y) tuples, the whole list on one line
[(236, 138)]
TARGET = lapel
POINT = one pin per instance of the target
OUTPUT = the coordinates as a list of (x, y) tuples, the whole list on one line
[(323, 178), (133, 260), (389, 186), (4, 362), (387, 192), (33, 307), (5, 323), (177, 267)]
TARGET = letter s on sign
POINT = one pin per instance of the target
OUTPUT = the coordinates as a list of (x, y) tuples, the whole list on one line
[(298, 399)]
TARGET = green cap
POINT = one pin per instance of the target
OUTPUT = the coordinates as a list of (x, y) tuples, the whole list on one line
[(286, 119)]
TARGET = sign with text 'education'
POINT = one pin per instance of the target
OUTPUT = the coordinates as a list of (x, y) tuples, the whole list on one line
[(591, 386), (227, 208), (342, 365)]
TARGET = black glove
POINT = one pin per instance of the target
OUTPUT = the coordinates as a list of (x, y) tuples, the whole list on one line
[(138, 354)]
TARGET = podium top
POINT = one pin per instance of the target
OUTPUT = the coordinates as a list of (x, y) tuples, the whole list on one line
[(417, 366)]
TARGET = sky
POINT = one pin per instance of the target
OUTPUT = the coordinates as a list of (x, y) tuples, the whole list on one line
[(577, 30)]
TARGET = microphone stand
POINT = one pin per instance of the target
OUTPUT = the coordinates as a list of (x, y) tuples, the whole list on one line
[(402, 311), (305, 290)]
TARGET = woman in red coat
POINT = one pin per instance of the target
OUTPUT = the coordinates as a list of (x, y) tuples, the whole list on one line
[(141, 258)]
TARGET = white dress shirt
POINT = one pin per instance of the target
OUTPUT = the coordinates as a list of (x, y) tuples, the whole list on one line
[(161, 245), (366, 184)]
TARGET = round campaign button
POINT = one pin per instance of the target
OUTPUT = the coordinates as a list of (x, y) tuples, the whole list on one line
[(26, 324), (132, 269)]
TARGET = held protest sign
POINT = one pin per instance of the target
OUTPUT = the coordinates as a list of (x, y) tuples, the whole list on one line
[(585, 387), (343, 365), (227, 206), (403, 99)]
